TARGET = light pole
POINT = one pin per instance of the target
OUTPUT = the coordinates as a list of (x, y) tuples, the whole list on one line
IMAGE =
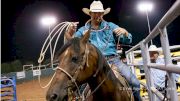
[(146, 7), (49, 21)]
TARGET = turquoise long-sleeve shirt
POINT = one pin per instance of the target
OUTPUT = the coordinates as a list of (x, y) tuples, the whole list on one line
[(104, 39)]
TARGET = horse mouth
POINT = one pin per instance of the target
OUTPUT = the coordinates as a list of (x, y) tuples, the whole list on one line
[(54, 97), (65, 98)]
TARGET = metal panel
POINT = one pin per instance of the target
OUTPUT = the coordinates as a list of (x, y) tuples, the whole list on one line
[(146, 58), (168, 60)]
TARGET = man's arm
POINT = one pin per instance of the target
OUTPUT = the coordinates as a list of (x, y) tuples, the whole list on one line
[(119, 31), (125, 36), (126, 39)]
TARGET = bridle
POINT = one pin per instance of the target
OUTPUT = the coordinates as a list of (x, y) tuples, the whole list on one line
[(81, 66)]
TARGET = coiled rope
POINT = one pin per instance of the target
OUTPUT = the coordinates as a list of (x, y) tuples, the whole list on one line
[(46, 45)]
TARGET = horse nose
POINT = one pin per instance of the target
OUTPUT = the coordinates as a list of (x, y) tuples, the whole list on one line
[(53, 97)]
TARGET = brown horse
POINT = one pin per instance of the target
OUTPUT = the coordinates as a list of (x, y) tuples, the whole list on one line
[(82, 62)]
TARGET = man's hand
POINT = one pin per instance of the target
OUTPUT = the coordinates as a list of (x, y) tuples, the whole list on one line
[(71, 30), (119, 31)]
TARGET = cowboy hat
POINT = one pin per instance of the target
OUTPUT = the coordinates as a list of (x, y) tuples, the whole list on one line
[(96, 6), (153, 48)]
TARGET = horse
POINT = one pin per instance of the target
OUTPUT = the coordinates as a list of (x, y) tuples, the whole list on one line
[(81, 62)]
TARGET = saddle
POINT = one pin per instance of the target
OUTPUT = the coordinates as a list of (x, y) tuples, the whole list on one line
[(122, 81)]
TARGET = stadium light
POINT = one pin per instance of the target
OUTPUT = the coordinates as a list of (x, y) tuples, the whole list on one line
[(146, 6), (49, 21)]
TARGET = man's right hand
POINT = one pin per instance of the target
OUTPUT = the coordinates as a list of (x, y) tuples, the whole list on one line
[(71, 30)]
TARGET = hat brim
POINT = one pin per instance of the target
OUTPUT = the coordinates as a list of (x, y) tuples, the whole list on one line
[(155, 51), (87, 11)]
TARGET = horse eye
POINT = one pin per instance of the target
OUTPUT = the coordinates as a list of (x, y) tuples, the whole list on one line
[(74, 59)]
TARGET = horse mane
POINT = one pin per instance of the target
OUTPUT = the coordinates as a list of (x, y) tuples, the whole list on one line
[(74, 41), (103, 66), (76, 44), (101, 61), (62, 49)]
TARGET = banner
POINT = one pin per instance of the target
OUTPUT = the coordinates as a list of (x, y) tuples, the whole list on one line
[(20, 75), (36, 72)]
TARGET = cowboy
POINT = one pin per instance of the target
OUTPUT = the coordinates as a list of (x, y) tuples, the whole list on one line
[(102, 37), (157, 75)]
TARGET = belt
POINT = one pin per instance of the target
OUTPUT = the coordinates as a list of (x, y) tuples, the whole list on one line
[(110, 56), (160, 88)]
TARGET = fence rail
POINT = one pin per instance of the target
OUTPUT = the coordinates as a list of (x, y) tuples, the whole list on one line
[(160, 28)]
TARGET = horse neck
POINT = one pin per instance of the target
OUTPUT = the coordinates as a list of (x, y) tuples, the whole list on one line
[(104, 75), (108, 82)]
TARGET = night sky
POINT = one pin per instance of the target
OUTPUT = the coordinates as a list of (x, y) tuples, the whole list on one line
[(22, 34)]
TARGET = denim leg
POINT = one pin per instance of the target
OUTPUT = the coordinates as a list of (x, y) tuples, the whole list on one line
[(82, 87), (125, 71)]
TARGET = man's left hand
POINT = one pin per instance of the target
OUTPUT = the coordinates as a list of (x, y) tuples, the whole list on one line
[(119, 31)]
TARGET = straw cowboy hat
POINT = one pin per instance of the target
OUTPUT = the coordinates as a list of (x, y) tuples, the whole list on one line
[(96, 6), (153, 48)]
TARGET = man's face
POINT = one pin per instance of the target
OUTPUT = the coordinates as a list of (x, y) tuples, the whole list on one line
[(154, 54), (96, 16)]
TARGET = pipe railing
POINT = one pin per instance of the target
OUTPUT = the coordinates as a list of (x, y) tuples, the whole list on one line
[(160, 28), (171, 15)]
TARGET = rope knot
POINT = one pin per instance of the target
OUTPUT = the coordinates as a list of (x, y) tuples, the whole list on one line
[(73, 80)]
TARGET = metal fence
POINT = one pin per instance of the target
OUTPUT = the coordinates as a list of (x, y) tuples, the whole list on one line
[(29, 75), (160, 29)]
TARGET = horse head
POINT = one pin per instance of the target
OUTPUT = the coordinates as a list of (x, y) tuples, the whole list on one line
[(77, 61)]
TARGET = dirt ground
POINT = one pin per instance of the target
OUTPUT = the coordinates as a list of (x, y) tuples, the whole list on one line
[(31, 90)]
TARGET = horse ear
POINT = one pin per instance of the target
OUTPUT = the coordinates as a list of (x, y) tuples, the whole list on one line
[(86, 36)]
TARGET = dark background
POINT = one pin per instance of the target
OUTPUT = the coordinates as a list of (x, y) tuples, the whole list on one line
[(22, 35)]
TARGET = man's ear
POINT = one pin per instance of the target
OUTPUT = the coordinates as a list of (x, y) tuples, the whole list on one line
[(86, 36)]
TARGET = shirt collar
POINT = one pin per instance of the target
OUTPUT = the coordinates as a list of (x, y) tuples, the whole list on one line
[(102, 25)]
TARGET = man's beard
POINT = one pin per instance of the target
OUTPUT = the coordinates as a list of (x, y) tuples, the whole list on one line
[(97, 20), (153, 60)]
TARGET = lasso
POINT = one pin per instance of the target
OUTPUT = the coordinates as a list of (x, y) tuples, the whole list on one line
[(47, 43)]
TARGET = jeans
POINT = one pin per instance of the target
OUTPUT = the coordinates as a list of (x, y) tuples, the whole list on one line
[(125, 71)]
